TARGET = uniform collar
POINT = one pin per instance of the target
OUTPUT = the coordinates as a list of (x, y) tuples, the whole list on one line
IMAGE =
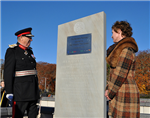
[(23, 47)]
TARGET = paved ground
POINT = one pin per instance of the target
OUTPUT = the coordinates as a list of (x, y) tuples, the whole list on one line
[(141, 116), (144, 115)]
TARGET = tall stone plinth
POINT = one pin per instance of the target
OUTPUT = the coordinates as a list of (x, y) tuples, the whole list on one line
[(81, 68)]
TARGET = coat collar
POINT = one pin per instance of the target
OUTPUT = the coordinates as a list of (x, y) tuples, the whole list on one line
[(124, 43)]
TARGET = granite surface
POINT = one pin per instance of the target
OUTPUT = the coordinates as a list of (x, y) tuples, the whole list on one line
[(81, 78)]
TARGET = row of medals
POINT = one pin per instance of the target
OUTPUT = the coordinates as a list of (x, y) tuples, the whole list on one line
[(25, 52)]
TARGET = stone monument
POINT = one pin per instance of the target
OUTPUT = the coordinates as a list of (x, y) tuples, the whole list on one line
[(81, 68)]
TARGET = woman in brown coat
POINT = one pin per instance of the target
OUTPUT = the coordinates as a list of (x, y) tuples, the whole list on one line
[(121, 90)]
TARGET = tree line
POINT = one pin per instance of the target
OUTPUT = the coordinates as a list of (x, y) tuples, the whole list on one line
[(142, 73), (46, 76), (47, 73)]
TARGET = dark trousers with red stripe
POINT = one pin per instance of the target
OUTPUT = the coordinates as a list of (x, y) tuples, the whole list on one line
[(19, 108)]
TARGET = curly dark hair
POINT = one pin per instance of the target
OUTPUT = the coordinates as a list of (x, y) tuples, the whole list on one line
[(124, 26)]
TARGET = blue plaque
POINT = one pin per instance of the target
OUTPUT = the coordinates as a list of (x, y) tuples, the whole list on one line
[(79, 44)]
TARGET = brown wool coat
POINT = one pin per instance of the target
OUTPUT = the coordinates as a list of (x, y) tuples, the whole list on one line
[(122, 89)]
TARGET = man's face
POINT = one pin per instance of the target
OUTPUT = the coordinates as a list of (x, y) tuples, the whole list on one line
[(25, 41), (2, 84)]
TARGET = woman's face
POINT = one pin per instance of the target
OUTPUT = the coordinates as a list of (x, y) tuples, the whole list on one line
[(115, 36)]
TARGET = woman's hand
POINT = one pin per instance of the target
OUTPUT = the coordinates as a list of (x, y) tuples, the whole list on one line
[(106, 95)]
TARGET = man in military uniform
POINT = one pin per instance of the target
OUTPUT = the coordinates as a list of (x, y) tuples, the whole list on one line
[(20, 76)]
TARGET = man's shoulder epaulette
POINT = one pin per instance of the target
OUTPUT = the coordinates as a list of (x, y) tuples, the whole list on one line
[(12, 45)]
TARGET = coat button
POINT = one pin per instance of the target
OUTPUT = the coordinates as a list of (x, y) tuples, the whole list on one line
[(31, 62)]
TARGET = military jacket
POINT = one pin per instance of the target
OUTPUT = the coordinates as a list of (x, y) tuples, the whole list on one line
[(24, 88)]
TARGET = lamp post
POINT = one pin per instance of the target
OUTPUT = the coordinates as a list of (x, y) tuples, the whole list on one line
[(45, 83)]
